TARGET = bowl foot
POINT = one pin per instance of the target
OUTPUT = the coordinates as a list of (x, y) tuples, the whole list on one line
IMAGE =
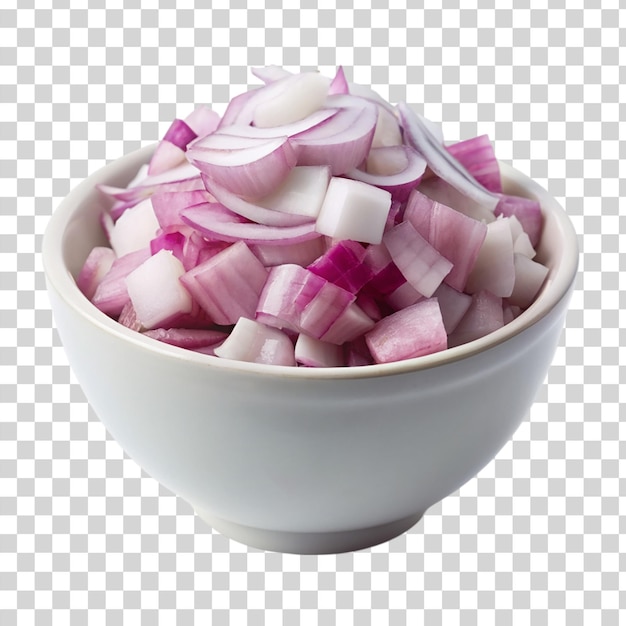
[(310, 543)]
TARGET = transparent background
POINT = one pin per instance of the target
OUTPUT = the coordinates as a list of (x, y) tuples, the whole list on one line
[(87, 538)]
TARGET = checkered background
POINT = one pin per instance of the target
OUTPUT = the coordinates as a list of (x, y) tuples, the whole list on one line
[(537, 538)]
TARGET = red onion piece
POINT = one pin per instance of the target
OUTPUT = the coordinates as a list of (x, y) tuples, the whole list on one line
[(202, 120), (228, 285), (476, 155), (339, 84), (215, 221), (167, 205), (96, 266), (172, 241), (414, 331), (189, 338), (112, 293), (350, 324), (171, 150), (343, 264), (420, 263), (128, 317), (527, 211), (457, 237), (252, 171), (295, 298)]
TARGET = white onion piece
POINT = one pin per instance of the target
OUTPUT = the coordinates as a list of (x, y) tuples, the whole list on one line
[(312, 352), (453, 304), (529, 277), (418, 134), (254, 342), (111, 293), (303, 94), (253, 211), (203, 120), (252, 171), (135, 228), (397, 169), (522, 245), (494, 269), (354, 210), (215, 221), (414, 331), (483, 316), (156, 292), (282, 101), (388, 131)]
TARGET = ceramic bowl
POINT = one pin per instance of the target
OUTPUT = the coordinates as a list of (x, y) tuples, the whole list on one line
[(304, 460)]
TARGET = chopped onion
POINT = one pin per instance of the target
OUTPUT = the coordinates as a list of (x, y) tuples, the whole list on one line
[(254, 342), (156, 292), (441, 162), (414, 331), (95, 268), (215, 221), (251, 171), (227, 286), (315, 225)]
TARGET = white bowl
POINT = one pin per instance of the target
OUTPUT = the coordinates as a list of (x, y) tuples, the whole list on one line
[(299, 459)]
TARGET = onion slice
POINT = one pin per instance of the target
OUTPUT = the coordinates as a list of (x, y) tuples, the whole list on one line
[(252, 171), (215, 221), (417, 134), (254, 212)]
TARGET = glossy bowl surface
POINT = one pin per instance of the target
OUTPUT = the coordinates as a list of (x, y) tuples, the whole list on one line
[(300, 459)]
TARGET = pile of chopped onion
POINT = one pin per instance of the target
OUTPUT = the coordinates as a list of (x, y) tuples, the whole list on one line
[(314, 224)]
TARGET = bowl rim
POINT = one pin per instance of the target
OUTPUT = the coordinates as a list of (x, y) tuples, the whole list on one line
[(59, 277)]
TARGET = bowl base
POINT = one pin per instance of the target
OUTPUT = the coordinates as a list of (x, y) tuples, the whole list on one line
[(310, 543)]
